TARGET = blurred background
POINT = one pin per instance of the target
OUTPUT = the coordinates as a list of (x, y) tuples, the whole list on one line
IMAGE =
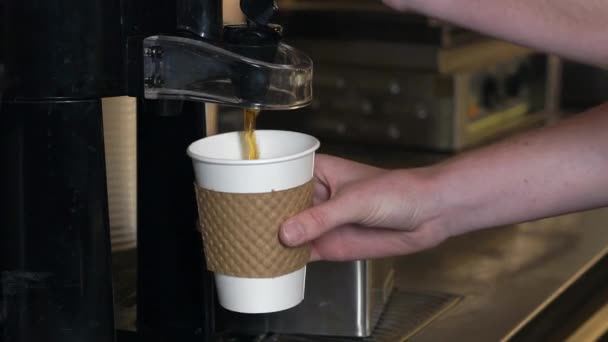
[(411, 83)]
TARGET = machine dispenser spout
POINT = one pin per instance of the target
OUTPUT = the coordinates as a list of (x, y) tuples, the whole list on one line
[(248, 67)]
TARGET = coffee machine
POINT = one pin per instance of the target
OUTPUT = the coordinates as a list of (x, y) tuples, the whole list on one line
[(58, 59)]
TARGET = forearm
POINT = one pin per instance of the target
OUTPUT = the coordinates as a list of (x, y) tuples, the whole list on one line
[(552, 171), (573, 29)]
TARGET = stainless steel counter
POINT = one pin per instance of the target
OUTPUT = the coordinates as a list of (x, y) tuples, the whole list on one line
[(505, 275)]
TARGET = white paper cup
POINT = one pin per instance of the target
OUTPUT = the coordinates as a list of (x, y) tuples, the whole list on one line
[(286, 161)]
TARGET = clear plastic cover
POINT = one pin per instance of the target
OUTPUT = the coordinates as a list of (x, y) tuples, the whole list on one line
[(188, 69)]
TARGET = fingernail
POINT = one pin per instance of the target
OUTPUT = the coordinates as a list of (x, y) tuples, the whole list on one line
[(292, 233)]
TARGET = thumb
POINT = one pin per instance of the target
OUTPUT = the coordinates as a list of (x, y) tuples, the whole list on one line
[(316, 221)]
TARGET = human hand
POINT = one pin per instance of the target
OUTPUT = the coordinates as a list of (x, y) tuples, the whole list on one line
[(365, 212)]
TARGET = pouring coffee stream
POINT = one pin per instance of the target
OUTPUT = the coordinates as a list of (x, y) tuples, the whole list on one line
[(251, 147)]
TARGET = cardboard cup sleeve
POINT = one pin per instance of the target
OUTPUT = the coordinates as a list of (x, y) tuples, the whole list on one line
[(241, 231)]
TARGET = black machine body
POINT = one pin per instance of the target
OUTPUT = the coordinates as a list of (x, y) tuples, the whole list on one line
[(58, 59)]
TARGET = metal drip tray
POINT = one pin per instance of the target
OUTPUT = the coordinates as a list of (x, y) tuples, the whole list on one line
[(409, 312), (406, 314)]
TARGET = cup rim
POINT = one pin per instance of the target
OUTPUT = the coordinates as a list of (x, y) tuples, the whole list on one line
[(221, 161)]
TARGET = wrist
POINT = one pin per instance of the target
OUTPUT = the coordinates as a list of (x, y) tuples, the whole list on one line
[(424, 201), (438, 211)]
